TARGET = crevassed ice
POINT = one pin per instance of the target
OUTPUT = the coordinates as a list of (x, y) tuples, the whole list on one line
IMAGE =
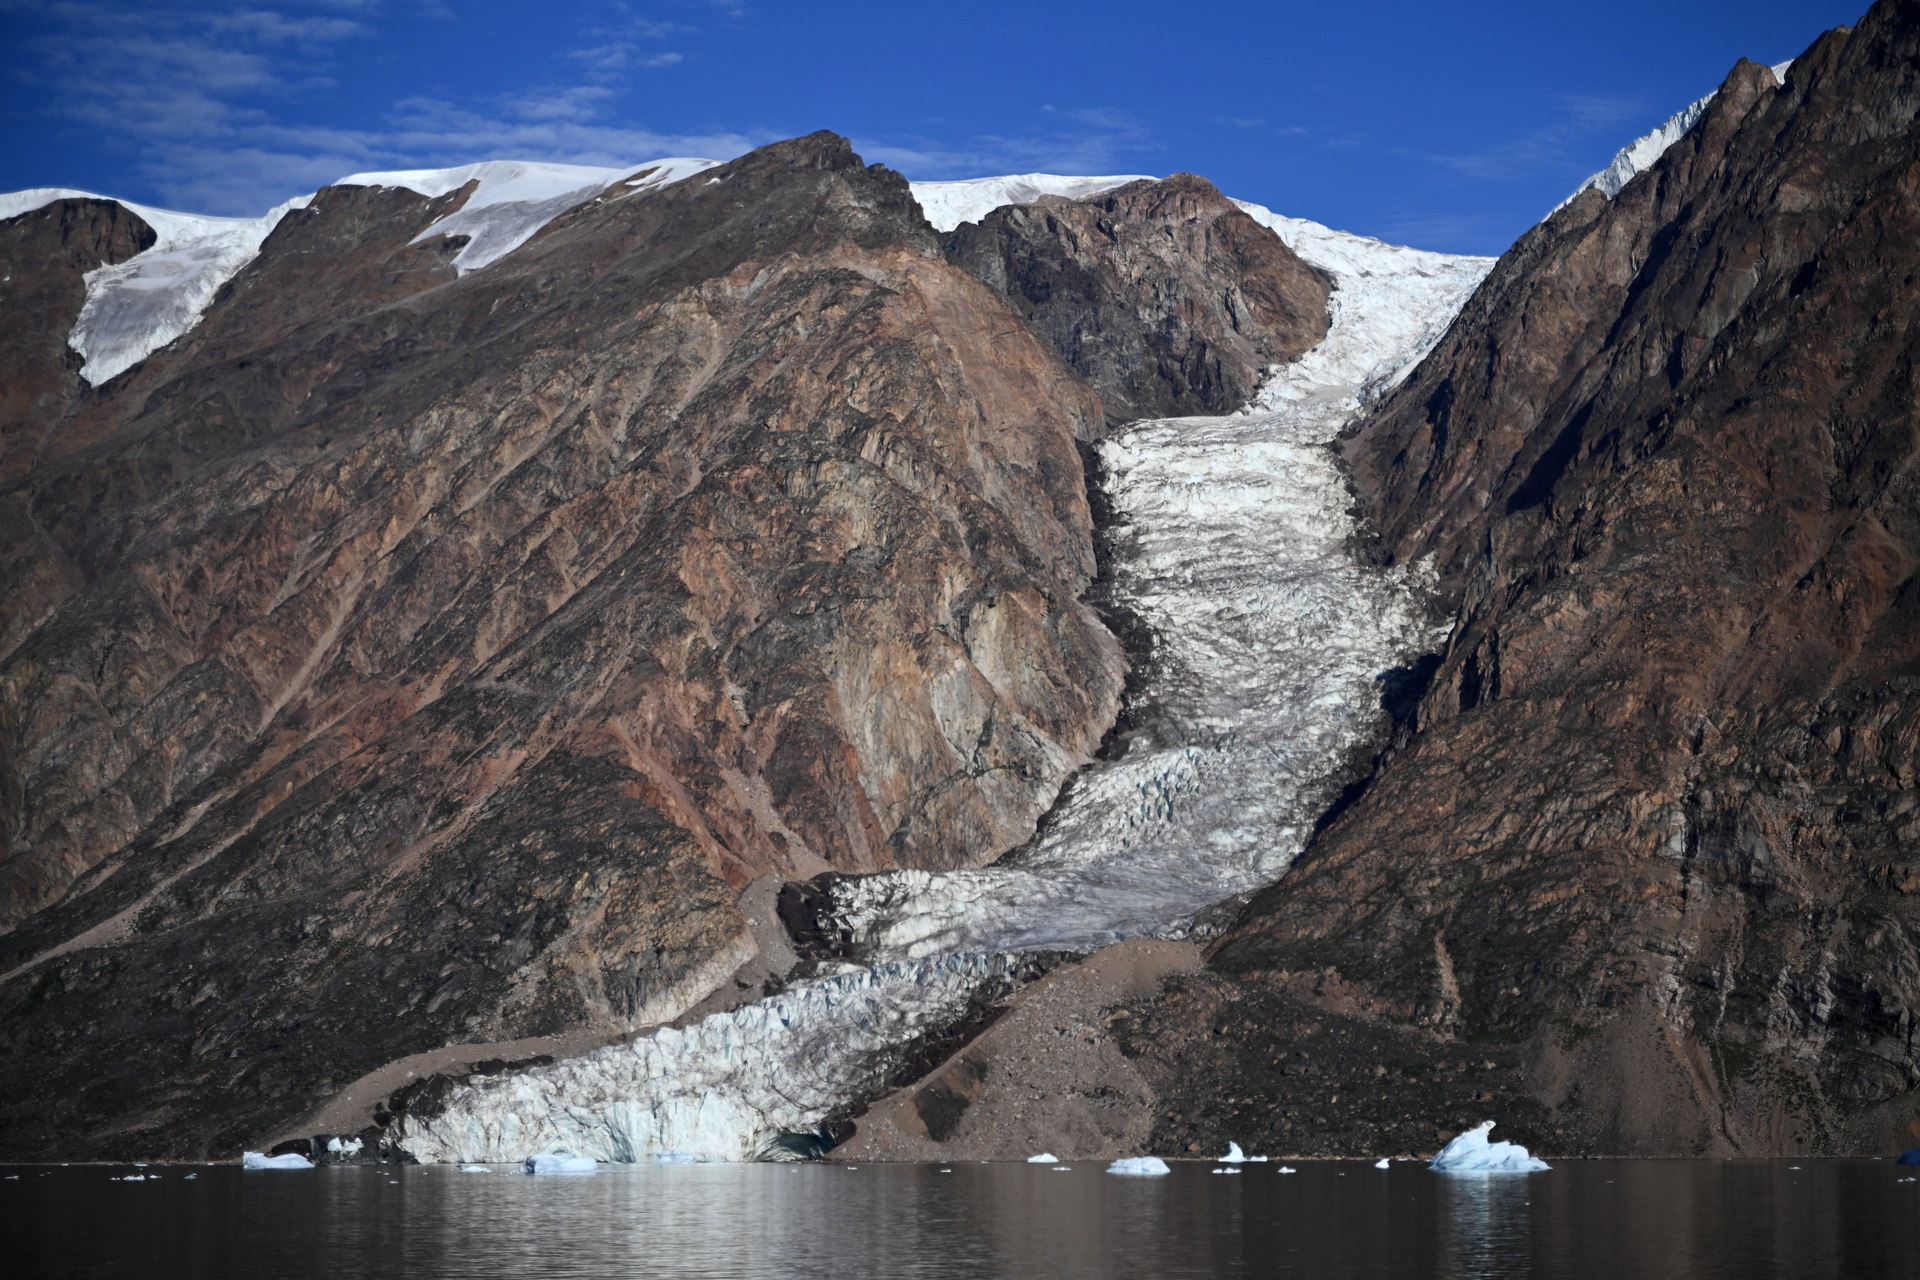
[(136, 307), (716, 1090), (1643, 151), (948, 204), (1272, 639)]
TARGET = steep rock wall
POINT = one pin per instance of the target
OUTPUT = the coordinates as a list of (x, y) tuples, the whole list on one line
[(400, 660), (1639, 876)]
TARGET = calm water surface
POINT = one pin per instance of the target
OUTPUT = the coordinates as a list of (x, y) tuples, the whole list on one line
[(1585, 1219)]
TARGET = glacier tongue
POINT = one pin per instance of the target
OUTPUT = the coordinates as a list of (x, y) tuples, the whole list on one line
[(1271, 639), (134, 308)]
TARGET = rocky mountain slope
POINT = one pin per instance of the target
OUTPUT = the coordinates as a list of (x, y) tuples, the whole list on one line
[(1637, 876), (408, 660)]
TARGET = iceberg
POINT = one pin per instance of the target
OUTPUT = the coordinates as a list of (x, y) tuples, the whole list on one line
[(1045, 1157), (351, 1147), (560, 1163), (1234, 1154), (1140, 1167), (256, 1160), (1224, 1171), (1472, 1153), (474, 1168), (1284, 1169), (1383, 1163)]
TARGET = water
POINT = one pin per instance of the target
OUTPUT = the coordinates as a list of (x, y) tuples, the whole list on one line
[(1611, 1219)]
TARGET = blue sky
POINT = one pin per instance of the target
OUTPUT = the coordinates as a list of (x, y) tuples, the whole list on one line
[(1448, 126)]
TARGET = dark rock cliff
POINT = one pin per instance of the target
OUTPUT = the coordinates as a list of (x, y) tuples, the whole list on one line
[(1641, 876), (401, 659), (1163, 295)]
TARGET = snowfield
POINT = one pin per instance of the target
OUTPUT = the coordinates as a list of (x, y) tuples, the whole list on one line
[(948, 204)]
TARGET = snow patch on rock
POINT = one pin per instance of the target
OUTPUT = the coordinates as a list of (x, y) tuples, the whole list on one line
[(1640, 154), (514, 199), (948, 204)]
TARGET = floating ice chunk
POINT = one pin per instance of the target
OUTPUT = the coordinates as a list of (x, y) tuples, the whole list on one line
[(1061, 1168), (1140, 1167), (675, 1157), (1472, 1153), (190, 1177), (1234, 1154), (1045, 1157), (474, 1168), (1383, 1163), (351, 1147), (255, 1160), (560, 1163), (1226, 1171), (1284, 1169)]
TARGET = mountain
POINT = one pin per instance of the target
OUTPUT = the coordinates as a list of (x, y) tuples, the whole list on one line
[(434, 651), (1637, 874)]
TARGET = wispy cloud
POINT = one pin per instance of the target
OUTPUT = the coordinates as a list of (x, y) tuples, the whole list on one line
[(219, 101), (1086, 140), (1555, 144)]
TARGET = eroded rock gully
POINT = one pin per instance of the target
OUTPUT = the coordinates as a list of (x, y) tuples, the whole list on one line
[(1642, 878)]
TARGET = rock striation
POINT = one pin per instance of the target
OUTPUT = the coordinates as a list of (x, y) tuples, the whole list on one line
[(1639, 874), (1164, 295), (405, 658)]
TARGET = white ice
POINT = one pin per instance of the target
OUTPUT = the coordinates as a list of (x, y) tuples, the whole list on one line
[(134, 308), (1472, 1153), (515, 198), (1139, 1166), (1234, 1154), (1641, 153), (1272, 640), (1383, 1163), (1284, 1169), (1045, 1157), (560, 1164), (948, 204), (351, 1147), (719, 1089), (474, 1168), (675, 1157), (256, 1160)]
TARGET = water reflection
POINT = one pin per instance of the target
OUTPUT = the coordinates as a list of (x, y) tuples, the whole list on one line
[(1585, 1219)]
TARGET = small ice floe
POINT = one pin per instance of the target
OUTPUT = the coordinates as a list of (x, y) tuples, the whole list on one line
[(190, 1177), (132, 1177), (1225, 1171), (1284, 1169), (1234, 1154), (474, 1168), (1472, 1153), (1257, 1159), (1383, 1163), (1140, 1167), (291, 1160), (675, 1157), (1061, 1168), (1045, 1157), (560, 1163)]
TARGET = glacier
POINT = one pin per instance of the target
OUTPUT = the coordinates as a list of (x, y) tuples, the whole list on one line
[(1271, 641)]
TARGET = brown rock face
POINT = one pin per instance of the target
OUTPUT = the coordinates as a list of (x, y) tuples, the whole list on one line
[(400, 660), (1642, 877), (44, 257), (1163, 295)]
